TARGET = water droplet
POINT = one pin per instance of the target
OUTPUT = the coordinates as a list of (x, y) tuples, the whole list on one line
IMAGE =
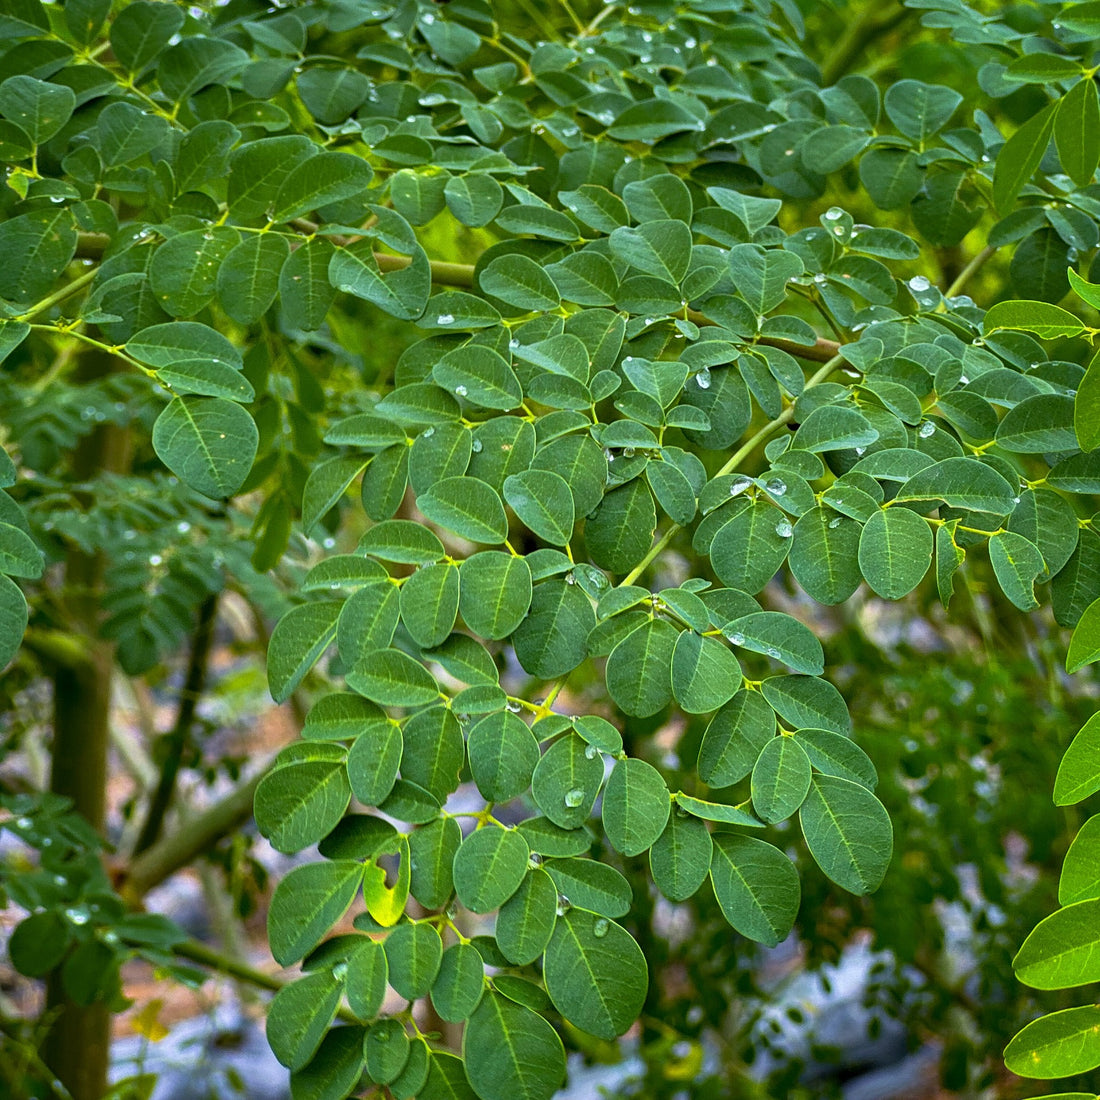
[(737, 638), (599, 929), (427, 433), (328, 543), (861, 451), (834, 213), (1015, 500), (773, 652), (570, 579), (739, 485), (821, 277), (783, 529), (57, 198), (77, 915), (919, 283), (926, 429), (963, 380), (445, 319), (183, 527), (461, 391), (23, 822), (590, 752), (564, 905), (702, 379), (574, 797), (628, 452), (514, 708), (839, 231), (156, 559), (476, 446), (776, 486), (834, 523), (381, 1036)]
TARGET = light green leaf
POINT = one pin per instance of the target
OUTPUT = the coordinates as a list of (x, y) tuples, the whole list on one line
[(1084, 644), (1077, 128), (1080, 878), (679, 859), (919, 110), (1062, 950), (848, 833), (756, 886), (1017, 564), (595, 974), (520, 282), (780, 637), (1057, 1045), (716, 811), (413, 954), (1079, 772), (1048, 322), (1020, 156)]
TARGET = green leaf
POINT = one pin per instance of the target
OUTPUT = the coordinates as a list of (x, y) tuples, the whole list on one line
[(895, 551), (41, 941), (305, 293), (566, 781), (432, 751), (307, 902), (748, 550), (413, 954), (299, 805), (248, 278), (780, 637), (834, 428), (1061, 950), (38, 108), (1080, 878), (36, 247), (1017, 564), (620, 531), (734, 739), (1056, 1045), (386, 1048), (402, 293), (495, 593), (824, 555), (192, 358), (432, 851), (1077, 129), (474, 199), (446, 1079), (488, 868), (141, 30), (429, 604), (526, 920), (659, 248), (459, 984), (761, 275), (591, 885), (402, 541), (479, 375), (807, 702), (756, 886), (780, 779), (635, 806), (503, 755), (1084, 644), (299, 1015), (326, 484), (367, 974), (208, 442), (1020, 156), (679, 859), (297, 642), (962, 483), (325, 178), (466, 506), (639, 669), (1079, 772), (367, 622), (519, 281), (595, 974), (848, 833), (1048, 322), (393, 679), (920, 110), (1038, 424), (335, 1068), (511, 1053), (384, 903), (705, 674), (125, 133), (184, 270), (835, 754), (373, 760), (552, 639), (13, 620), (542, 500), (19, 556), (716, 811)]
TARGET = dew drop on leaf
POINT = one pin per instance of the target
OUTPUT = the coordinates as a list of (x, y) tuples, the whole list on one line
[(574, 797), (599, 929)]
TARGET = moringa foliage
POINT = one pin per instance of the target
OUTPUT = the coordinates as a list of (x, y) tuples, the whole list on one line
[(665, 378)]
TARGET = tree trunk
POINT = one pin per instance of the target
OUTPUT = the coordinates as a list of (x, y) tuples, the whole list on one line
[(77, 1047)]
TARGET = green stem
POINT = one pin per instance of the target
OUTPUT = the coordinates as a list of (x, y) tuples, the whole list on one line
[(66, 291), (736, 459), (855, 39), (970, 271)]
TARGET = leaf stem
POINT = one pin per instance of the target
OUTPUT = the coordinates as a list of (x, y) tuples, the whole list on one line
[(66, 291), (968, 273)]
